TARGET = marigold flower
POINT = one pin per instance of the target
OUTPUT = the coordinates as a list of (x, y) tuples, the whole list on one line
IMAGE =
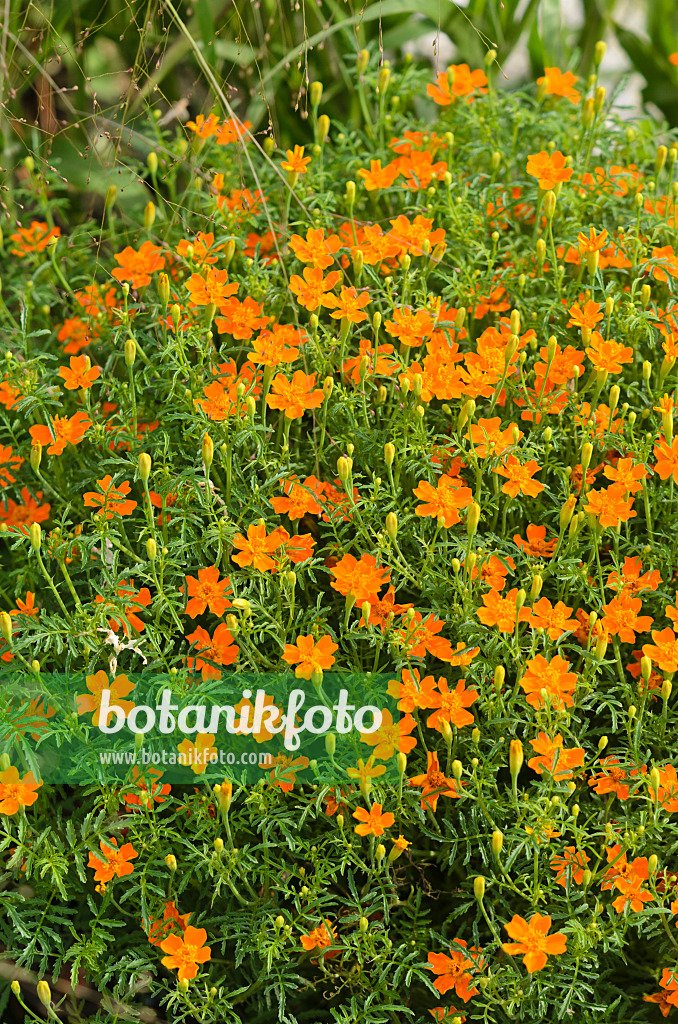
[(533, 940), (311, 289), (536, 546), (9, 463), (170, 921), (207, 591), (256, 549), (585, 316), (552, 676), (457, 82), (115, 863), (16, 792), (550, 169), (112, 500), (454, 971), (610, 506), (349, 306), (621, 618), (519, 477), (500, 611), (295, 396), (444, 500), (296, 161), (572, 862), (612, 779), (186, 952), (319, 938), (391, 737), (554, 620), (411, 691), (667, 458), (96, 684), (379, 177), (361, 577), (133, 602), (559, 83), (79, 374), (218, 649), (450, 705), (62, 431), (554, 758), (316, 249), (607, 354), (627, 472), (240, 319), (309, 655), (434, 784), (137, 267), (373, 822), (212, 289)]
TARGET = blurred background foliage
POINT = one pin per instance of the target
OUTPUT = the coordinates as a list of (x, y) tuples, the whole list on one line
[(88, 87)]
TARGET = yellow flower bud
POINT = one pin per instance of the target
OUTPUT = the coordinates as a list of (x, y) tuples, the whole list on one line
[(151, 549), (457, 768), (171, 862), (36, 456), (149, 216), (218, 845), (586, 453), (472, 518), (652, 863), (499, 677), (401, 762), (599, 99), (16, 988), (109, 199), (497, 842), (163, 288), (383, 80), (350, 192), (392, 525), (535, 589), (130, 351), (549, 204), (35, 534), (6, 627), (540, 248), (144, 466), (323, 127), (207, 450), (316, 92), (380, 852), (344, 467), (515, 757), (602, 743), (479, 887), (330, 743), (446, 731), (660, 160), (44, 993), (599, 53), (567, 511)]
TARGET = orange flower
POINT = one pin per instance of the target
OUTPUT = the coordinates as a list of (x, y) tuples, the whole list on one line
[(519, 477), (434, 784), (98, 682), (391, 737), (554, 758), (256, 549), (197, 753), (587, 316), (296, 161), (608, 355), (207, 591), (363, 578), (133, 603), (27, 607), (554, 620), (9, 463), (412, 691), (668, 997), (532, 940), (457, 82), (558, 83), (115, 863), (454, 971), (592, 242), (570, 862), (233, 131), (310, 655), (311, 289), (632, 893), (186, 952), (374, 821), (295, 396), (137, 267), (211, 289), (219, 648), (492, 570), (379, 177), (300, 499), (36, 238), (319, 938), (552, 676), (535, 546), (627, 472), (621, 618), (275, 346), (112, 500), (611, 780), (20, 517), (489, 440), (80, 373), (63, 430), (443, 501), (610, 506), (668, 263), (667, 458), (241, 319), (16, 792), (316, 249), (450, 705), (349, 306), (171, 919), (500, 611), (550, 169)]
